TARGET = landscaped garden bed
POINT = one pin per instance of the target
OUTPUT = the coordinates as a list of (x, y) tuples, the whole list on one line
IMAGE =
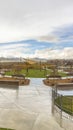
[(14, 81), (53, 81)]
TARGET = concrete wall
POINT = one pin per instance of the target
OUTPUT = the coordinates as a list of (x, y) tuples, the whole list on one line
[(9, 84)]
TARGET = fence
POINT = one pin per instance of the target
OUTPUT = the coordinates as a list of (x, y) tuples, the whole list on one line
[(62, 109)]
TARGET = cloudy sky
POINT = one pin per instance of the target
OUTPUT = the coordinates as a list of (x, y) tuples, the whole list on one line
[(36, 28)]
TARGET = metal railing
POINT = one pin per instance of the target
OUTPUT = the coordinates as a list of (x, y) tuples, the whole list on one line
[(62, 109), (65, 103)]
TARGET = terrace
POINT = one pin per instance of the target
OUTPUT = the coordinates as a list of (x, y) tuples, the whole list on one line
[(27, 108)]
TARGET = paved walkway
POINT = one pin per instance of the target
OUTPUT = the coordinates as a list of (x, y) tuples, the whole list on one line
[(29, 108)]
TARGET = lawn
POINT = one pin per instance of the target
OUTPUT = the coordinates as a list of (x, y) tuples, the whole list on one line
[(65, 103), (36, 73), (5, 129)]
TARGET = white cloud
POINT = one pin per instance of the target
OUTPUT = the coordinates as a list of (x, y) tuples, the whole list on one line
[(49, 38), (34, 19), (65, 53), (13, 46), (14, 50), (25, 50), (21, 19)]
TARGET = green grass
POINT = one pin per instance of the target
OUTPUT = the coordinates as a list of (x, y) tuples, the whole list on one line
[(66, 103), (5, 129), (9, 73), (36, 73)]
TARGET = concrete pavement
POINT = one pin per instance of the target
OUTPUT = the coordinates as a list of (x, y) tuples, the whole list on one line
[(28, 108)]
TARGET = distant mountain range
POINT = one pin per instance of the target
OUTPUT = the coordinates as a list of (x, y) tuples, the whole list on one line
[(4, 59), (16, 59), (20, 59)]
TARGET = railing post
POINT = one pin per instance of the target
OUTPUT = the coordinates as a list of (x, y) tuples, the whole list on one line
[(53, 96), (61, 111), (72, 106)]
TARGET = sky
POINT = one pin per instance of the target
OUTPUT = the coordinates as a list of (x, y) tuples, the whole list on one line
[(36, 28)]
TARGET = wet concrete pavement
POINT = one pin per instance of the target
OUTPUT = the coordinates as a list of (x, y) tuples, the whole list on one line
[(28, 108)]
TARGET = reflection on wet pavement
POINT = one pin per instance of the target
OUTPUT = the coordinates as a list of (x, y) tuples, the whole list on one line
[(28, 108)]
